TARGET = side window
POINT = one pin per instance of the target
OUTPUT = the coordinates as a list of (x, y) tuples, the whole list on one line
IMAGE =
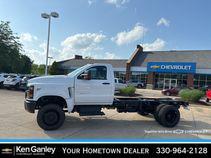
[(120, 81), (98, 73), (115, 80)]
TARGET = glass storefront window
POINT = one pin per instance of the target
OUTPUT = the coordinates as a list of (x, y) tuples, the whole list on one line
[(139, 77), (163, 80), (201, 80), (120, 75)]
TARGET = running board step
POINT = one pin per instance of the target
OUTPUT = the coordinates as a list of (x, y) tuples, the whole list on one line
[(91, 113), (89, 110)]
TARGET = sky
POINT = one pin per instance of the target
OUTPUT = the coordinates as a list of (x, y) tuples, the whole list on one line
[(108, 29)]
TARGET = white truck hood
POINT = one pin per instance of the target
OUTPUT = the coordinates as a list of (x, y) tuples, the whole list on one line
[(57, 79)]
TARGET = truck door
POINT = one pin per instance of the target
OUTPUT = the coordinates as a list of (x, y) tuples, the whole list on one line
[(95, 90)]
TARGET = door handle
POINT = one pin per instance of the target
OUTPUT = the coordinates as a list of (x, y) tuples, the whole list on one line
[(106, 83)]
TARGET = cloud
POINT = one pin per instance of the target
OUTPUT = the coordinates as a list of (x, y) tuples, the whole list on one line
[(126, 37), (90, 2), (157, 45), (117, 3), (38, 53), (82, 43), (27, 37), (109, 55), (164, 22), (35, 55), (54, 52)]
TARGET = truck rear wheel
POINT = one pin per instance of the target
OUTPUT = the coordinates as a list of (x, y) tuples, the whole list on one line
[(143, 113), (50, 117), (169, 116), (157, 112)]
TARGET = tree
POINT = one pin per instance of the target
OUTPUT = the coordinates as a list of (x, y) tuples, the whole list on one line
[(11, 60), (54, 69), (26, 64), (38, 69), (41, 69), (34, 69)]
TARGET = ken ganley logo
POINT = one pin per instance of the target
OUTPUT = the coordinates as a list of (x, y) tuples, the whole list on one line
[(34, 150), (155, 67), (6, 151)]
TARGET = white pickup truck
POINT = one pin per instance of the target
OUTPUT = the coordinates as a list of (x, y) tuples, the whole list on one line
[(119, 84), (87, 91)]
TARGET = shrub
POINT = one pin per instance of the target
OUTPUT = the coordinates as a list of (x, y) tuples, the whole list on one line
[(129, 91), (191, 95)]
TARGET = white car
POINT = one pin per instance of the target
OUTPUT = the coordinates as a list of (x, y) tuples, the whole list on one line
[(12, 81), (3, 76), (136, 84), (119, 84)]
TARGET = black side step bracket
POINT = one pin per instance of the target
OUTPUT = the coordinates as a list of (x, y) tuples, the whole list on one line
[(89, 110)]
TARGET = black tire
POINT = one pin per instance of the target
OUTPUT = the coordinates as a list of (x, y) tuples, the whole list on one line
[(1, 84), (168, 93), (207, 100), (169, 116), (143, 113), (16, 86), (139, 86), (50, 117), (157, 112)]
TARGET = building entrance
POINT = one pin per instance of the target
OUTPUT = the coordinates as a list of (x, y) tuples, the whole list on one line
[(167, 80), (169, 83)]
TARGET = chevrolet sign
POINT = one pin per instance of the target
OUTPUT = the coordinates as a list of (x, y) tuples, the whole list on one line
[(171, 67)]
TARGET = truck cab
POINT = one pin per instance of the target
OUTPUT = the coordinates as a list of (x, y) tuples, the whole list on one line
[(89, 86)]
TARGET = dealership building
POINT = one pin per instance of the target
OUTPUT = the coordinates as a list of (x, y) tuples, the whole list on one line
[(157, 69)]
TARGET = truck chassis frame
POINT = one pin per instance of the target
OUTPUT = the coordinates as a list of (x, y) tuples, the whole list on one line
[(165, 110)]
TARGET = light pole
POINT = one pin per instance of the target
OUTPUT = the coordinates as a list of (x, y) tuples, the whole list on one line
[(48, 16), (50, 58)]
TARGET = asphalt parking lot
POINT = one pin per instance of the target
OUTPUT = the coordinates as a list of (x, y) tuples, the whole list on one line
[(19, 124)]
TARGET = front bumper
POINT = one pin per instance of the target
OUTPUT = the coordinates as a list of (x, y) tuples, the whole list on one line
[(30, 105)]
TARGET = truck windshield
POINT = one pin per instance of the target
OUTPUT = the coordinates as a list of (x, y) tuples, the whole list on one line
[(75, 72)]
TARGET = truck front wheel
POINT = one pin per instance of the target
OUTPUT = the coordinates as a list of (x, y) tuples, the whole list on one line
[(50, 117), (169, 116)]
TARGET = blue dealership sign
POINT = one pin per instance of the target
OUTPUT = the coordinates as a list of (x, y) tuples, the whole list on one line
[(172, 67)]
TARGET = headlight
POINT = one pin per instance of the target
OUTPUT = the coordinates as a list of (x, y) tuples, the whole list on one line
[(30, 92)]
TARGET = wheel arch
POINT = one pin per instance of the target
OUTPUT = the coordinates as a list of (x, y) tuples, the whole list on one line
[(51, 99)]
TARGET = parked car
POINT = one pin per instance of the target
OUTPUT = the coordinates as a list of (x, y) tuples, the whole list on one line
[(24, 81), (119, 84), (171, 91), (12, 81), (208, 95), (136, 84), (3, 76)]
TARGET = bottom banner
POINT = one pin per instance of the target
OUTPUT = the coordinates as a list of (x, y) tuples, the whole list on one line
[(96, 150)]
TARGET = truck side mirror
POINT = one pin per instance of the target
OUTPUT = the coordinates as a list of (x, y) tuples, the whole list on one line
[(86, 76)]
